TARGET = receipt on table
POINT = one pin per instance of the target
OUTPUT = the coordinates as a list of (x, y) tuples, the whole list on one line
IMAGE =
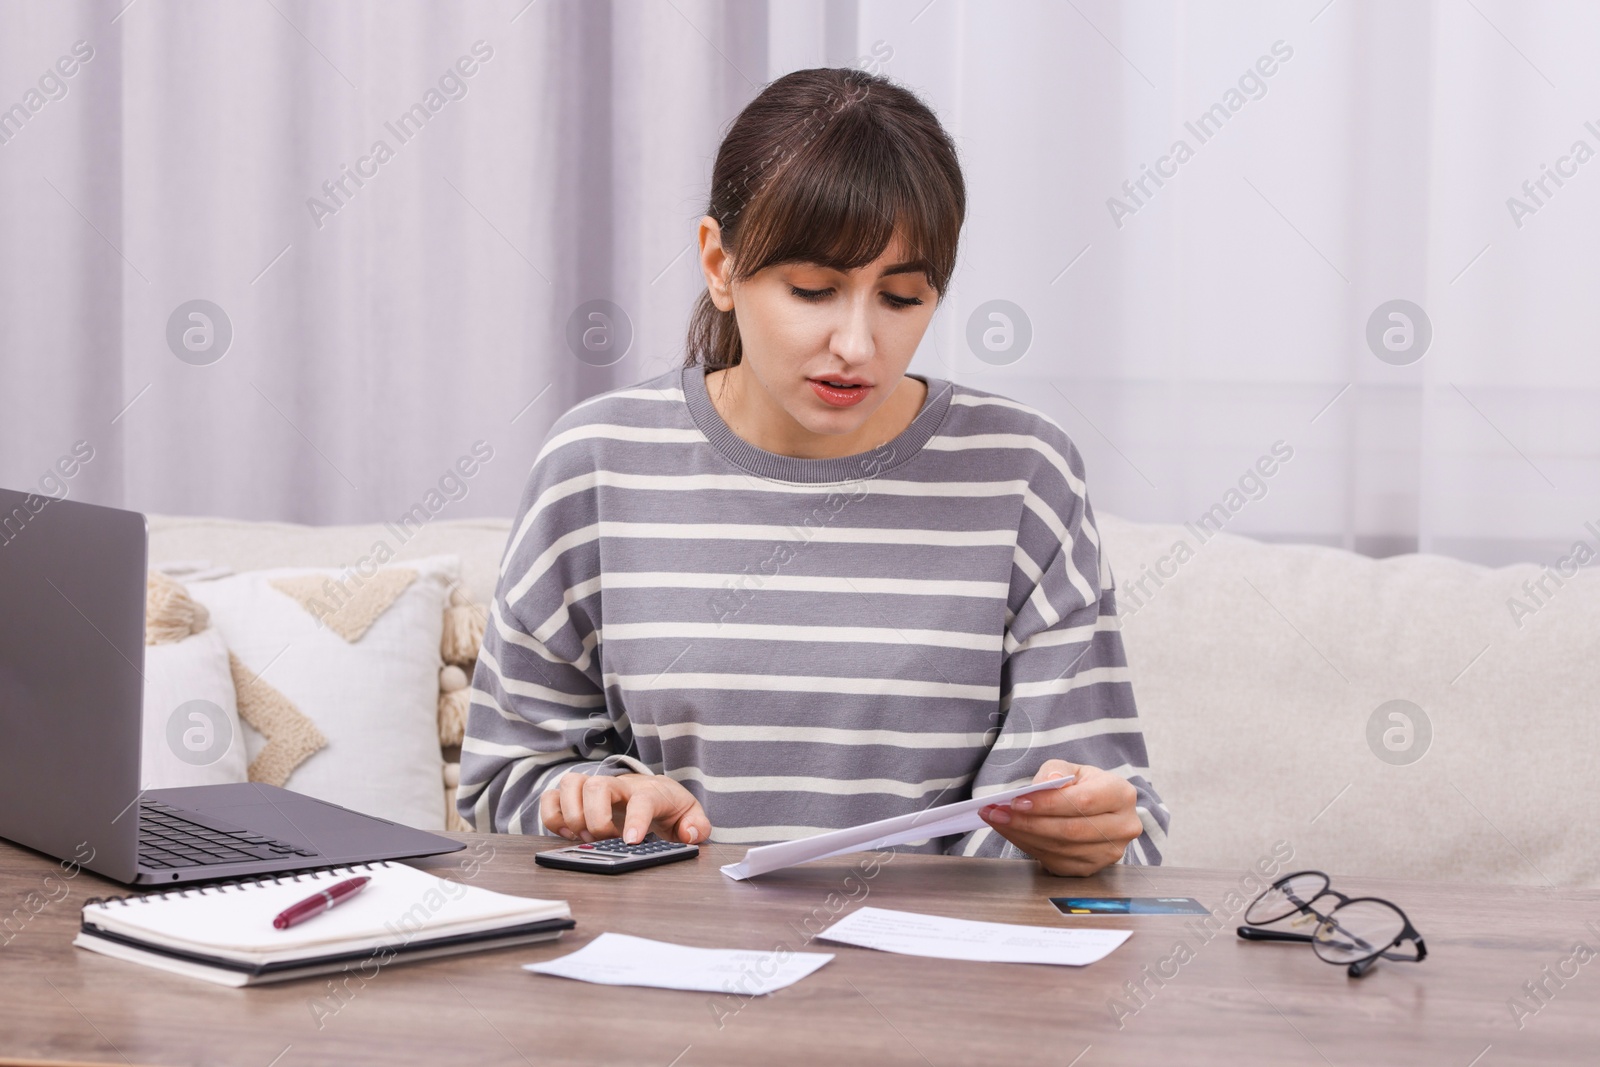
[(912, 934), (621, 959)]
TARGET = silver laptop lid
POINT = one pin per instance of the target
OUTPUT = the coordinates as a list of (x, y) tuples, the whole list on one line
[(72, 592)]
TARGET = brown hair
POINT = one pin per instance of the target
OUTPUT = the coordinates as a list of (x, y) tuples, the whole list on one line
[(825, 166)]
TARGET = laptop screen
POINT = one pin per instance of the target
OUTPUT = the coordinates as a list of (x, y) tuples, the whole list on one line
[(72, 593)]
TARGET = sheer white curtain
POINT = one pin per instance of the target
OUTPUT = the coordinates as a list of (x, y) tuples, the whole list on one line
[(1185, 309), (381, 329), (1229, 310)]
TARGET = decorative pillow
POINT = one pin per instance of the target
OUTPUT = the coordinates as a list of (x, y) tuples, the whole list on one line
[(356, 651), (284, 736), (191, 722)]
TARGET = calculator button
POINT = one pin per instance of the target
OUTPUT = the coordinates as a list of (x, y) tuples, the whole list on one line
[(586, 846)]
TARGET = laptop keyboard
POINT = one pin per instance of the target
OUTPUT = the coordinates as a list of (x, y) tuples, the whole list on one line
[(172, 838)]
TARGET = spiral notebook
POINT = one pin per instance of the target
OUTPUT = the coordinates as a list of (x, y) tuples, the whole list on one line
[(224, 933)]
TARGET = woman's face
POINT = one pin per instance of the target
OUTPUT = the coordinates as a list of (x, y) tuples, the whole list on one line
[(824, 351)]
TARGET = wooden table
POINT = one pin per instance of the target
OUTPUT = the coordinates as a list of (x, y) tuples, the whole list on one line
[(1229, 1002)]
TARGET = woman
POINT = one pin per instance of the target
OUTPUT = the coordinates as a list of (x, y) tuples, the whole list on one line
[(788, 588)]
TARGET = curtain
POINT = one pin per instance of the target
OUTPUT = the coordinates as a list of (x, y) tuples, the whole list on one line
[(310, 261)]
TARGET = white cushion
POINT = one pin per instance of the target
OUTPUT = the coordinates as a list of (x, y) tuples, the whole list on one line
[(1257, 669), (191, 720), (375, 699)]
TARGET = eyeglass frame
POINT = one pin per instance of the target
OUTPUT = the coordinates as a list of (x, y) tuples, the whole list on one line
[(1355, 968)]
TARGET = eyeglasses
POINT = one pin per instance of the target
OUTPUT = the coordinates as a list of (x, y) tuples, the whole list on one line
[(1356, 931)]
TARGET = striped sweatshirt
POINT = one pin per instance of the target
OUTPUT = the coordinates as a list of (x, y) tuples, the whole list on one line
[(804, 644)]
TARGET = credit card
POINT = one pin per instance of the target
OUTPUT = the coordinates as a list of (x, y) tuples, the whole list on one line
[(1129, 906)]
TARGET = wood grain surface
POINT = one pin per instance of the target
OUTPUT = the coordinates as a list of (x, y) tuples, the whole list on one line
[(1217, 1001)]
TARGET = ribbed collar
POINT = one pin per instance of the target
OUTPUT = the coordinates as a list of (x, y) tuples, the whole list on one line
[(766, 464)]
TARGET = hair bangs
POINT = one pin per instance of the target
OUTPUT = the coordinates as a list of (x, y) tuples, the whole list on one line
[(830, 166), (841, 202)]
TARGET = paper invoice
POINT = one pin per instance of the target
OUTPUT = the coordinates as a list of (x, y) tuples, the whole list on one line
[(942, 821), (911, 934), (622, 959)]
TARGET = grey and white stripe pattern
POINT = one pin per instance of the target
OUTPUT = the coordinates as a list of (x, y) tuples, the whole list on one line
[(804, 644)]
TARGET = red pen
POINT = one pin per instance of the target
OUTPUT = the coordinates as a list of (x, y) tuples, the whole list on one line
[(320, 902)]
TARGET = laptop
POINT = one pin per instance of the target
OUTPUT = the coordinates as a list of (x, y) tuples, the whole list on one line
[(72, 594)]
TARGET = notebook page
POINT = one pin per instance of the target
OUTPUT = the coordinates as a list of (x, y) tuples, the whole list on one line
[(399, 904)]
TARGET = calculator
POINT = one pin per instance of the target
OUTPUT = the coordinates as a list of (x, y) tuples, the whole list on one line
[(616, 856)]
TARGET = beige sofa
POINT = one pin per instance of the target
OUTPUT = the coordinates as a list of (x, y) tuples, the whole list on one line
[(1268, 676)]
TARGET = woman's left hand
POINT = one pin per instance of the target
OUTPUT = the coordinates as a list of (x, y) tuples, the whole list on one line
[(1075, 829)]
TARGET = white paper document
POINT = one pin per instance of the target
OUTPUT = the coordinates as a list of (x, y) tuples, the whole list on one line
[(620, 959), (943, 821), (911, 934)]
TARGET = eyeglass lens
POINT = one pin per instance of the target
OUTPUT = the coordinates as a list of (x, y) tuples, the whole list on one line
[(1357, 930), (1286, 899)]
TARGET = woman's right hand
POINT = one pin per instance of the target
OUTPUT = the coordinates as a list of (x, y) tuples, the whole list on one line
[(588, 807)]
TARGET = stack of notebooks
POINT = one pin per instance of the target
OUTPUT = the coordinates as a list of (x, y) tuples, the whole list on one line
[(224, 933)]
